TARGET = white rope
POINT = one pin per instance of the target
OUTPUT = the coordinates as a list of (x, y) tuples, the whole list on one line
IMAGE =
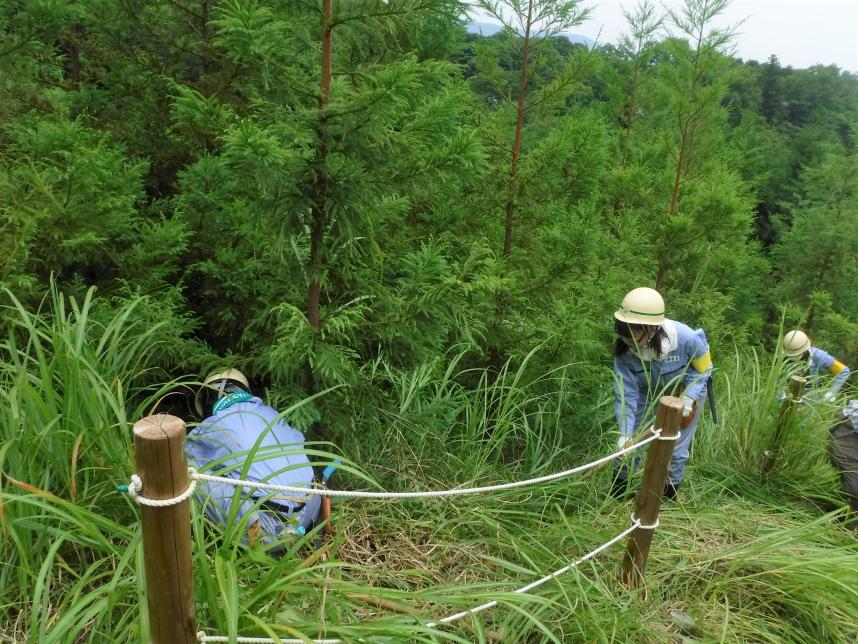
[(640, 525), (524, 589), (136, 486), (656, 435), (202, 637)]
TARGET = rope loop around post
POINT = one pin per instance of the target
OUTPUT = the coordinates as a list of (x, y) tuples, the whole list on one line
[(135, 487), (641, 526), (658, 433)]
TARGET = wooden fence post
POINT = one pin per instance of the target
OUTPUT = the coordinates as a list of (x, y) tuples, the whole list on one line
[(668, 418), (159, 452), (796, 391)]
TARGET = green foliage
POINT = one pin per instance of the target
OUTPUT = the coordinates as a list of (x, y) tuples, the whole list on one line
[(72, 210), (72, 377), (180, 156), (815, 251), (69, 200)]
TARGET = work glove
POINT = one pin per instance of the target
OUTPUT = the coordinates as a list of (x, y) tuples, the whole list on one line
[(829, 396), (687, 406), (621, 441)]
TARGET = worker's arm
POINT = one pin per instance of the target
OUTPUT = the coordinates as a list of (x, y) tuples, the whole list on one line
[(207, 444), (625, 397), (826, 363), (840, 372), (700, 367)]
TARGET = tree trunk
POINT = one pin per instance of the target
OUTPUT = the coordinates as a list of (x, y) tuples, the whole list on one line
[(677, 179), (317, 235), (516, 146), (73, 48), (631, 108), (204, 20)]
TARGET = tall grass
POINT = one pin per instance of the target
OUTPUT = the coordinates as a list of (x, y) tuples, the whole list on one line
[(750, 390), (69, 550), (748, 556)]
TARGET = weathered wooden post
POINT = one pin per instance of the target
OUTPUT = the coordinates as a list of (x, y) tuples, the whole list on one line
[(667, 418), (796, 391), (159, 452)]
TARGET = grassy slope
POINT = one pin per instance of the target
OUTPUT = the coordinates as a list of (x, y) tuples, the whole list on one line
[(749, 558)]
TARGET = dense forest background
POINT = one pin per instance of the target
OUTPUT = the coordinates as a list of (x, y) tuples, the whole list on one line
[(331, 198), (412, 239)]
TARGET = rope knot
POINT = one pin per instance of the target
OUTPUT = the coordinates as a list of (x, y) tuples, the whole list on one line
[(135, 488), (658, 432)]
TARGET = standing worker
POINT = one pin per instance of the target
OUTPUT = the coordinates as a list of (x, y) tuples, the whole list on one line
[(654, 357), (796, 345)]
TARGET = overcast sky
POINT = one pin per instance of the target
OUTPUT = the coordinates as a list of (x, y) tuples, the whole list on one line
[(800, 33)]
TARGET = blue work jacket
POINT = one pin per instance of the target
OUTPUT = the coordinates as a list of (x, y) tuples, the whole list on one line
[(249, 436), (821, 363), (638, 381)]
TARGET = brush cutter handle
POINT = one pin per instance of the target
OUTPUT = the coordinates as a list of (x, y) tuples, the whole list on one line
[(329, 470), (326, 510), (325, 515)]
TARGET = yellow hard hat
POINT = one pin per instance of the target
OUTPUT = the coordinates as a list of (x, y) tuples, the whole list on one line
[(641, 306), (208, 394), (795, 343)]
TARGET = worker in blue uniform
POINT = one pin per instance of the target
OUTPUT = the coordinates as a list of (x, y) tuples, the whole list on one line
[(797, 346), (654, 357), (243, 438)]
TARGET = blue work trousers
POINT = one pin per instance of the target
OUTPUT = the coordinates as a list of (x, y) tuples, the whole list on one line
[(681, 450)]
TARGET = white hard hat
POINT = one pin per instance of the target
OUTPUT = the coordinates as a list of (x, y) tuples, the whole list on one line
[(641, 306), (208, 393), (795, 343), (227, 374)]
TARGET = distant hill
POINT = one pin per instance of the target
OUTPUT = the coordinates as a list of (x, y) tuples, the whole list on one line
[(490, 28)]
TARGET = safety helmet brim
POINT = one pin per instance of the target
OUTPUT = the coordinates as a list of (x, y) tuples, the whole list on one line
[(798, 352), (636, 317), (227, 374), (215, 385)]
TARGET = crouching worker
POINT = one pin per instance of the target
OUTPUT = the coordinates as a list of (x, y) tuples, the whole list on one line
[(796, 346), (242, 438), (655, 357)]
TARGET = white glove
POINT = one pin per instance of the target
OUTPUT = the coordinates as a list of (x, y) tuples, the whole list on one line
[(829, 396), (687, 406), (621, 441)]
